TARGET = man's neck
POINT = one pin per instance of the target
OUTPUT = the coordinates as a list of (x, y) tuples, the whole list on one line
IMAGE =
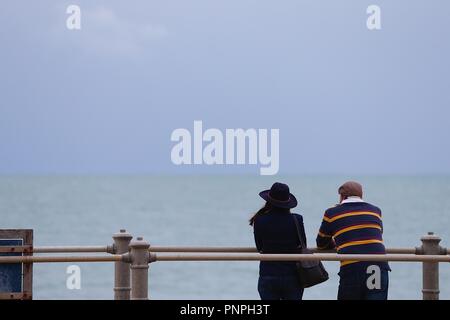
[(352, 199)]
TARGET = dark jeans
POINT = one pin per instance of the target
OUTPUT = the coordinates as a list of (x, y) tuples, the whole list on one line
[(279, 288), (353, 286)]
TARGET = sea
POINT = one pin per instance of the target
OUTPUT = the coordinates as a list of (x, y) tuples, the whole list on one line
[(208, 211)]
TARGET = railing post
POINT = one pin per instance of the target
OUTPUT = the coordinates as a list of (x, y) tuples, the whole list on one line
[(140, 257), (122, 286), (430, 270)]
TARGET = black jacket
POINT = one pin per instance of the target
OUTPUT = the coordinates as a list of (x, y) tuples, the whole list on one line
[(275, 232)]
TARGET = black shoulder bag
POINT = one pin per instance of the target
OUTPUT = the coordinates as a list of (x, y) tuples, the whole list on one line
[(310, 272)]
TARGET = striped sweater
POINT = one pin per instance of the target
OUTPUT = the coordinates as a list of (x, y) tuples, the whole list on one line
[(353, 228)]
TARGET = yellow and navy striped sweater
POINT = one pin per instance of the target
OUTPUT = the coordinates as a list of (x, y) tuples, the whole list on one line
[(353, 228)]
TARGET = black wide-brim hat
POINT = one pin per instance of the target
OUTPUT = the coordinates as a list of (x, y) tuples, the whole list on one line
[(279, 196)]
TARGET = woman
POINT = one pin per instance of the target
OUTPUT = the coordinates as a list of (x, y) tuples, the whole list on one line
[(275, 232)]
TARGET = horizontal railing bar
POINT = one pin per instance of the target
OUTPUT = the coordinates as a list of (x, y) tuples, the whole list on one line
[(232, 257), (297, 257), (15, 249), (36, 259), (69, 249), (201, 249), (12, 295), (253, 249), (218, 249)]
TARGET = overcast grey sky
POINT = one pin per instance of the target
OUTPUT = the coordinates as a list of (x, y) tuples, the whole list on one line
[(106, 98)]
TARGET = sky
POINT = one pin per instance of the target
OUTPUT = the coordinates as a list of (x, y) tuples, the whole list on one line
[(105, 99)]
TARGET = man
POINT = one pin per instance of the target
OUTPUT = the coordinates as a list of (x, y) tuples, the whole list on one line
[(355, 227)]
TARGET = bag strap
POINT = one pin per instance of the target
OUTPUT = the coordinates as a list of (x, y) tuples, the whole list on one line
[(300, 238)]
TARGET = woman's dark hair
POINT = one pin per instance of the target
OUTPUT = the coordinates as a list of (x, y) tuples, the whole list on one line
[(266, 208)]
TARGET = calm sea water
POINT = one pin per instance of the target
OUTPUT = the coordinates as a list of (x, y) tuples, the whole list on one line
[(206, 210)]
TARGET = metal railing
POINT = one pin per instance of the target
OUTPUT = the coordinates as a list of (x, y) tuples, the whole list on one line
[(217, 249), (132, 260)]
